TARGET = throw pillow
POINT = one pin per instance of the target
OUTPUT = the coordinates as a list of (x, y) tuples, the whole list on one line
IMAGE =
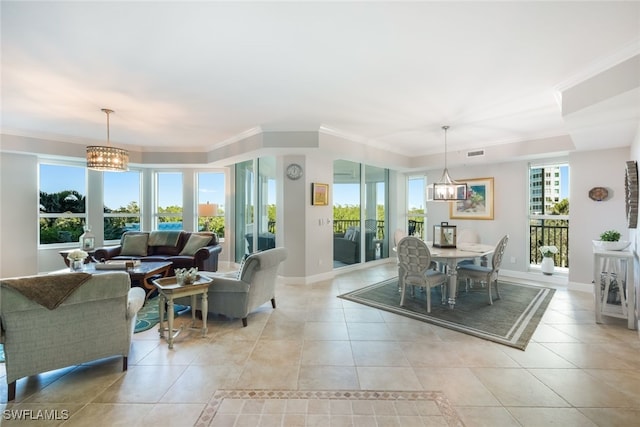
[(349, 234), (134, 245), (355, 237), (194, 243)]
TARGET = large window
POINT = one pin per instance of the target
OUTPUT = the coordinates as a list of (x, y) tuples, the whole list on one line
[(549, 211), (168, 215), (62, 203), (211, 208), (122, 195), (416, 202), (360, 214)]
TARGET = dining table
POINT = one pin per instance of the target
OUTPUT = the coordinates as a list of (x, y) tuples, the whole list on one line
[(450, 256)]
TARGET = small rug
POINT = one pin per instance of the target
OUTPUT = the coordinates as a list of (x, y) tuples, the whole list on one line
[(511, 320), (149, 316), (328, 407)]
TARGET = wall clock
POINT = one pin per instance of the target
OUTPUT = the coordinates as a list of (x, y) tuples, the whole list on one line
[(631, 193), (294, 171)]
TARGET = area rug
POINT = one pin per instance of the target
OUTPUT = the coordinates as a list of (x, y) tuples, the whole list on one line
[(149, 316), (511, 320), (328, 407)]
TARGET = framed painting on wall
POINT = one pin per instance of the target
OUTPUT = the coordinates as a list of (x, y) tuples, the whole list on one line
[(319, 194), (479, 202)]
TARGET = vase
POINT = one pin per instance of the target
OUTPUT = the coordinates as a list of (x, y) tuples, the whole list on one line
[(76, 265), (547, 266)]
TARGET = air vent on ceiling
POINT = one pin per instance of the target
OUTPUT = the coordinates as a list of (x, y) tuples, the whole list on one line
[(475, 153)]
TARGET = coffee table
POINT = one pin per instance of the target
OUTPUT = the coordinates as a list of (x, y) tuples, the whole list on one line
[(169, 289), (140, 275)]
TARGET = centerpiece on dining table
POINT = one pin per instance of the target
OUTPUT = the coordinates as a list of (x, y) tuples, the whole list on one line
[(444, 235)]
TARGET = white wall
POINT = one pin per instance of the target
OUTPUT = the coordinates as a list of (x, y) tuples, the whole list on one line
[(601, 168), (18, 215)]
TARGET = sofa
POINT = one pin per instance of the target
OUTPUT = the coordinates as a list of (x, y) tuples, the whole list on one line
[(346, 246), (53, 321), (184, 249)]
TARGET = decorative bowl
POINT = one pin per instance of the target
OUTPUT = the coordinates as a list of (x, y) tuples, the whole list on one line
[(611, 246)]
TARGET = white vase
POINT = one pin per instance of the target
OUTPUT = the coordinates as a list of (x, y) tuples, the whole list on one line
[(547, 265), (77, 265)]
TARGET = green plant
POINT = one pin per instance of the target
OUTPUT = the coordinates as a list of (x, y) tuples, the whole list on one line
[(610, 236)]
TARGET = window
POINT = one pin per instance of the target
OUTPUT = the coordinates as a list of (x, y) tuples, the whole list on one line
[(211, 208), (549, 215), (62, 203), (416, 201), (122, 195), (168, 215)]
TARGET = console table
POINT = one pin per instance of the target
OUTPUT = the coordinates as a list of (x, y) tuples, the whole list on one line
[(613, 285)]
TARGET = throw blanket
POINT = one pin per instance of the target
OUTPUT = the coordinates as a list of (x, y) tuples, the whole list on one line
[(49, 291), (164, 238)]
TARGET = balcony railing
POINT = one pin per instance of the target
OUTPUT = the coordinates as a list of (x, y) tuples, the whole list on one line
[(549, 232)]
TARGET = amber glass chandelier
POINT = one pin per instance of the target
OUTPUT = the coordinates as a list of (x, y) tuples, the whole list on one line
[(106, 157)]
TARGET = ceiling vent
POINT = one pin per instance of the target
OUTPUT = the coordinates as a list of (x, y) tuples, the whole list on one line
[(475, 153)]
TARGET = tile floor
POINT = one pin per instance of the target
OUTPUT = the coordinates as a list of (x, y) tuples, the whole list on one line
[(573, 373)]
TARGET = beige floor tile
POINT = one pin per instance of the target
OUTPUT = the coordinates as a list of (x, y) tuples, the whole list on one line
[(517, 387), (366, 314), (141, 384), (460, 386), (334, 353), (109, 415), (486, 416), (388, 378), (551, 334), (612, 417), (328, 378), (276, 352), (174, 415), (224, 353), (484, 354), (444, 354), (589, 355), (198, 383), (542, 417), (378, 353), (369, 331), (265, 375), (583, 390), (330, 331), (537, 356)]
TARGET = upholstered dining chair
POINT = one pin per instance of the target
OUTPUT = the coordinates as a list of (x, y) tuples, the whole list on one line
[(486, 274), (415, 268)]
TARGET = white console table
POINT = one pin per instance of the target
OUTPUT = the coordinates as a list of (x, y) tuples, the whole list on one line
[(611, 269)]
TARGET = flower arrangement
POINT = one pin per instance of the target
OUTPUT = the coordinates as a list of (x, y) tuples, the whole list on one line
[(77, 255), (548, 251)]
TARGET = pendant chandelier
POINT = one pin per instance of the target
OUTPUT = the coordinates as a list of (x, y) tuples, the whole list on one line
[(106, 157), (446, 189)]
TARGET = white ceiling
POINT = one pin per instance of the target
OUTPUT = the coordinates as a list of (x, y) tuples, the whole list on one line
[(192, 76)]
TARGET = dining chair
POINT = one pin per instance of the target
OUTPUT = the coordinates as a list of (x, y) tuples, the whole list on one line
[(486, 274), (415, 268)]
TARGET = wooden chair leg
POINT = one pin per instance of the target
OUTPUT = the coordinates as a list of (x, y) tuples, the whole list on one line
[(11, 391)]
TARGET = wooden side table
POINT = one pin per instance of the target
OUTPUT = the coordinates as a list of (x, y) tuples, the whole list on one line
[(169, 289)]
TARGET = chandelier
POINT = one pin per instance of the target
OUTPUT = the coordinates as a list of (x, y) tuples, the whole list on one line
[(446, 189), (106, 157)]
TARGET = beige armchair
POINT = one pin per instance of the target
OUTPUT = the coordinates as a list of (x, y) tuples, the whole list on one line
[(58, 320), (237, 295)]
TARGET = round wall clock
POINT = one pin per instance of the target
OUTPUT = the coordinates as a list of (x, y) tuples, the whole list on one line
[(631, 193), (294, 171)]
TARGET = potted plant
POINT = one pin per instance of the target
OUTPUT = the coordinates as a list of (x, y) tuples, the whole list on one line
[(547, 265), (610, 241)]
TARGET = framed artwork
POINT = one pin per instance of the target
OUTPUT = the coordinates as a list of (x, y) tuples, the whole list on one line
[(479, 202), (319, 194)]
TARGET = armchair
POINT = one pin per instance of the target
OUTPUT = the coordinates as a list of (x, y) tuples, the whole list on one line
[(92, 319), (237, 297)]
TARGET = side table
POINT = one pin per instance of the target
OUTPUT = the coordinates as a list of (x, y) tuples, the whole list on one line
[(169, 289), (614, 285)]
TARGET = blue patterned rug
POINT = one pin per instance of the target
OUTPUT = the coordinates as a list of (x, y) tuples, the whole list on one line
[(149, 316)]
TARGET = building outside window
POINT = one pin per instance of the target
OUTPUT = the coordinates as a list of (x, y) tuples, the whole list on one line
[(549, 211), (62, 210)]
